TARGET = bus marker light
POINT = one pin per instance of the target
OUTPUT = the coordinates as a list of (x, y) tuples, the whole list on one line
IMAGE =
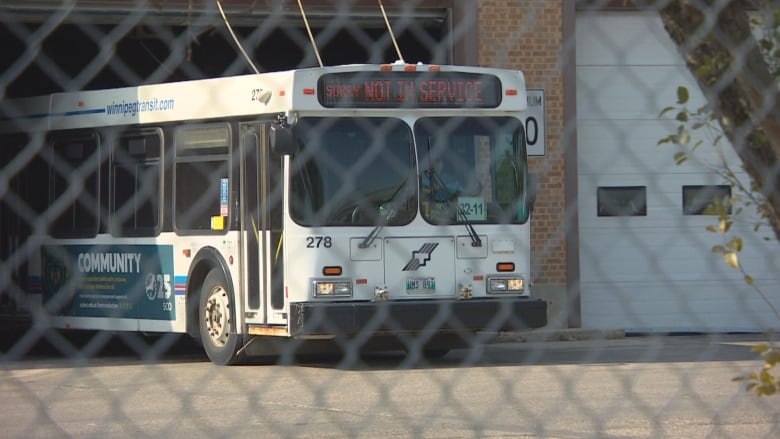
[(308, 91), (385, 67), (361, 281), (505, 266), (511, 92), (187, 252), (331, 270), (504, 284), (479, 277), (411, 68), (434, 68), (230, 259)]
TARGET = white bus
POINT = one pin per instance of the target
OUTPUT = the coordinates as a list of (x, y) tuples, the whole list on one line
[(384, 204)]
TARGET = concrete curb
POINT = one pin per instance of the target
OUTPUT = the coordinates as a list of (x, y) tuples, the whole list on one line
[(557, 334)]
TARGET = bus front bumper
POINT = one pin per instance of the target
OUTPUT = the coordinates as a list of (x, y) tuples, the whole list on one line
[(346, 318)]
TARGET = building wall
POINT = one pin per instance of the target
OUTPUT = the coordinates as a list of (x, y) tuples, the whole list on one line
[(528, 35)]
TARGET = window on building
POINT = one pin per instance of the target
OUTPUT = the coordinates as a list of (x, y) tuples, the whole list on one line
[(701, 199), (622, 201), (136, 177), (201, 184)]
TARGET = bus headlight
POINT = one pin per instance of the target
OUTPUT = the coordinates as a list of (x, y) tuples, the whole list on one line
[(505, 284), (332, 288)]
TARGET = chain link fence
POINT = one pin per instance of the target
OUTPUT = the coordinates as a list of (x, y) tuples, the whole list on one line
[(654, 252)]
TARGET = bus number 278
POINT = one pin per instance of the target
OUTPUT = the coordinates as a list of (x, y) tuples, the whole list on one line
[(319, 242)]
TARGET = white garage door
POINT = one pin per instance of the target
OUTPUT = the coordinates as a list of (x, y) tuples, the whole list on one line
[(645, 265)]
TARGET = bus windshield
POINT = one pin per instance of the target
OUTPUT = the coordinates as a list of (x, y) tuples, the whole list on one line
[(353, 171), (362, 171), (472, 170)]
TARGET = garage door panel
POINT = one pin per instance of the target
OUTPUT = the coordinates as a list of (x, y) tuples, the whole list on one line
[(682, 266), (631, 92), (677, 306), (646, 257), (664, 205), (632, 147), (610, 38), (674, 251)]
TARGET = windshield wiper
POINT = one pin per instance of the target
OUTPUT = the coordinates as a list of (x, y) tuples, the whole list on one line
[(384, 218), (368, 240), (433, 176)]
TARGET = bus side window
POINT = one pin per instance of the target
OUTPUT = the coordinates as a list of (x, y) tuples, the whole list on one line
[(136, 189), (201, 178), (73, 160)]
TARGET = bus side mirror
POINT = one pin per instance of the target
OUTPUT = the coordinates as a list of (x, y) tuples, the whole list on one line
[(282, 139)]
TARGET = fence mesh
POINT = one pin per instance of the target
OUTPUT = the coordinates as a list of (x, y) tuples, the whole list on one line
[(652, 234)]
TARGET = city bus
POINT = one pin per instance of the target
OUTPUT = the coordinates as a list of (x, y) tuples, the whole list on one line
[(377, 205)]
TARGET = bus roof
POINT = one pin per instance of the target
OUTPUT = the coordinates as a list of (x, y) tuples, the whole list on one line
[(269, 93)]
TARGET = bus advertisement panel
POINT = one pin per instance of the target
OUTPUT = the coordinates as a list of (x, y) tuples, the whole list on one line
[(121, 281)]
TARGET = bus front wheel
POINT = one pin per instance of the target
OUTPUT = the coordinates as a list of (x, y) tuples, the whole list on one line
[(217, 321)]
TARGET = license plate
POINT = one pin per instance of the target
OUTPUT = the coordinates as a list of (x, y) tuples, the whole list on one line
[(424, 285)]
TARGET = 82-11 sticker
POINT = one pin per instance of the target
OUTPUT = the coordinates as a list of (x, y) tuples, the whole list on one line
[(472, 208)]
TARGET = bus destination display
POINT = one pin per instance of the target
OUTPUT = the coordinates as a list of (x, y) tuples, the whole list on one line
[(409, 90)]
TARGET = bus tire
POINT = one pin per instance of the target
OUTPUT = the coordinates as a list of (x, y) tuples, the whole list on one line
[(217, 321)]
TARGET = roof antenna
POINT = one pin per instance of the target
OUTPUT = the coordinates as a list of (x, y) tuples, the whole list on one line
[(238, 43), (311, 37), (390, 29)]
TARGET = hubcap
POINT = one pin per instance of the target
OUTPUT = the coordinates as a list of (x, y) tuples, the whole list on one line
[(218, 316)]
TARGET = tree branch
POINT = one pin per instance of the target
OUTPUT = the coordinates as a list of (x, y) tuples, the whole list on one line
[(723, 56)]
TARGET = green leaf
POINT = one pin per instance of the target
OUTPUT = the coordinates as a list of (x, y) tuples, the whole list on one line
[(724, 225), (749, 280), (665, 110), (682, 116), (759, 348), (684, 137), (771, 356), (718, 249), (767, 390), (682, 95), (731, 259), (735, 244), (680, 158)]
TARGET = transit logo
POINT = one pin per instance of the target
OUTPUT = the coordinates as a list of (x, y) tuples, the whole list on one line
[(420, 257)]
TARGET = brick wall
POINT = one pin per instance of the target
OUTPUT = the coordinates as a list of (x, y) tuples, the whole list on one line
[(527, 35)]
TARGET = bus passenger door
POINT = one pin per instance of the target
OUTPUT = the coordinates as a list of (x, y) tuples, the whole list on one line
[(253, 227), (261, 224)]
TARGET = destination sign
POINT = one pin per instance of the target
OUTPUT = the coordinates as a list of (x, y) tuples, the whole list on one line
[(409, 90)]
